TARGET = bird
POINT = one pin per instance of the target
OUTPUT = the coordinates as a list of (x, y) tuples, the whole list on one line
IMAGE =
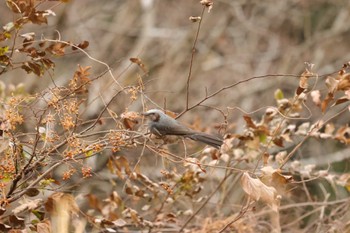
[(162, 125)]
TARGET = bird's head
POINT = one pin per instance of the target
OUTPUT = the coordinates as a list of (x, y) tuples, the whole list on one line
[(153, 114)]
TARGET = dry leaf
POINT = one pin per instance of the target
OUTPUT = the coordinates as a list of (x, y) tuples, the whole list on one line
[(119, 222), (279, 179), (342, 134), (316, 97), (131, 120), (27, 205), (328, 131), (61, 202), (257, 190), (249, 122), (332, 84), (280, 156), (278, 141), (194, 165), (195, 18), (303, 129), (44, 227), (326, 101), (303, 82), (208, 4), (139, 62), (307, 169), (344, 82)]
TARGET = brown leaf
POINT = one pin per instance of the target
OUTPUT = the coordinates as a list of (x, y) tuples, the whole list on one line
[(208, 4), (19, 6), (37, 17), (326, 101), (122, 164), (35, 68), (81, 81), (274, 178), (57, 48), (82, 45), (344, 82), (343, 134), (94, 202), (279, 179), (28, 38), (257, 190), (48, 64), (4, 227), (278, 141), (299, 90), (249, 122), (129, 191), (16, 221), (332, 84), (138, 61), (341, 100), (44, 227), (140, 193), (32, 192), (58, 203), (303, 81), (266, 157), (2, 210), (131, 120), (147, 180)]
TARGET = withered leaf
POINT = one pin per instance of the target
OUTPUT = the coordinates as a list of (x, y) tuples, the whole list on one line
[(131, 120), (44, 226), (344, 82), (82, 45), (139, 62), (278, 141), (32, 192), (257, 190), (316, 97), (341, 100), (332, 84), (326, 101), (249, 122)]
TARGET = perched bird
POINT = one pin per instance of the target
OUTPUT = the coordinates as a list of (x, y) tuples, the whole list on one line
[(161, 125)]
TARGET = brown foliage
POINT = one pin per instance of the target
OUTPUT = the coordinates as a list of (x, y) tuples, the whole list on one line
[(76, 154)]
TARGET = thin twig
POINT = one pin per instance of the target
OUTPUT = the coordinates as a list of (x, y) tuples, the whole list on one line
[(312, 130), (208, 96), (192, 58), (205, 202)]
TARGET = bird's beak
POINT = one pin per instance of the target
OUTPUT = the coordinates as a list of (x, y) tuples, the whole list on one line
[(145, 114)]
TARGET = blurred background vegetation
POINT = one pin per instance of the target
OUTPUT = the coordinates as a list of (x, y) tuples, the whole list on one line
[(238, 40)]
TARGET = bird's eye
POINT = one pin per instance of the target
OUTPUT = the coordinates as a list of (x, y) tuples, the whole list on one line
[(154, 116)]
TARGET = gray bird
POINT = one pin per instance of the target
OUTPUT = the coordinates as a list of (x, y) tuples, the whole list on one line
[(161, 124)]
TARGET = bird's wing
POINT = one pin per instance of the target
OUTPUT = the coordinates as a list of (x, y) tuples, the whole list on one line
[(170, 127), (177, 129)]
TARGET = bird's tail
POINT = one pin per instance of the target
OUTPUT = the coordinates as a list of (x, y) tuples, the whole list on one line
[(207, 139)]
